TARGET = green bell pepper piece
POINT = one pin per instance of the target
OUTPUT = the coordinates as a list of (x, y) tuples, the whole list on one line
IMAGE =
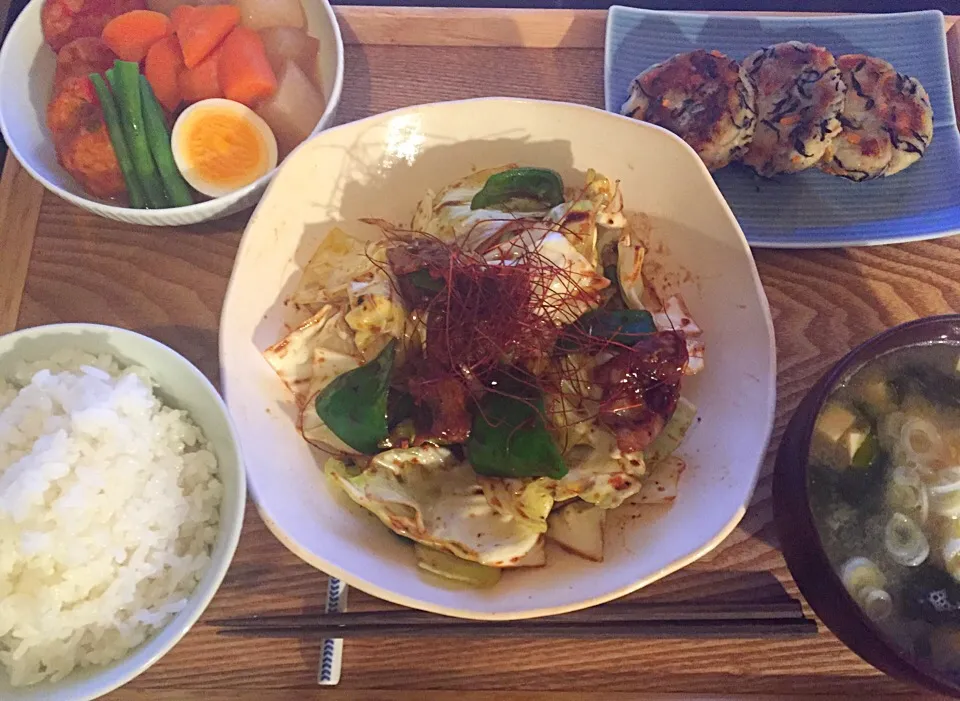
[(354, 405), (624, 326), (509, 439), (520, 189)]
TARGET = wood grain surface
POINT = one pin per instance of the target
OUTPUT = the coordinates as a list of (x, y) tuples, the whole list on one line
[(465, 26), (170, 284), (20, 198)]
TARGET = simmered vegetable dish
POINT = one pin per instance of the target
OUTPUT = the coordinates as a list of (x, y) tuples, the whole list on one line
[(187, 100)]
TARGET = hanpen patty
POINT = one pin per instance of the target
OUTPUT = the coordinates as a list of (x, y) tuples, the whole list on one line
[(887, 121), (799, 100), (701, 97)]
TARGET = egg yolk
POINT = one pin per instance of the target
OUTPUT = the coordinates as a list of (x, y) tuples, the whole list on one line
[(225, 148)]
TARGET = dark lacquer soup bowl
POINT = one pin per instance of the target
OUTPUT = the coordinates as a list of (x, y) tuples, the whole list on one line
[(867, 501)]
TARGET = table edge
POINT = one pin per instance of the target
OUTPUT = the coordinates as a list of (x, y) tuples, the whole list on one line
[(484, 27)]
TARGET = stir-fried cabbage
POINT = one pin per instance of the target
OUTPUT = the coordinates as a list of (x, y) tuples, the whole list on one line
[(314, 353), (448, 215), (468, 527), (599, 473), (569, 285), (426, 494), (527, 501), (455, 569), (673, 433), (595, 206), (339, 260), (375, 316)]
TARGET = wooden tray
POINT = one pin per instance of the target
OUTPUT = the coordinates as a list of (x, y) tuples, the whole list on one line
[(58, 263)]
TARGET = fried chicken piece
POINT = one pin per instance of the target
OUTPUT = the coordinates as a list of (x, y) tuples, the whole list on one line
[(80, 58), (65, 20), (81, 140), (445, 401)]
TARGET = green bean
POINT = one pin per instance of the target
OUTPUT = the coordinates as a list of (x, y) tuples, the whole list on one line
[(126, 84), (119, 142), (158, 137)]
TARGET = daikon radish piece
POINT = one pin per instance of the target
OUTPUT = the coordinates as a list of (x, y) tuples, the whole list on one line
[(294, 109), (260, 14), (578, 528), (537, 557), (284, 44)]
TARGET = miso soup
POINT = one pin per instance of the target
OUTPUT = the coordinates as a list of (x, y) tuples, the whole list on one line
[(884, 485)]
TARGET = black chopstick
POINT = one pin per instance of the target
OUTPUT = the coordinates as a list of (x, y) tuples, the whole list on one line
[(767, 628), (663, 619), (631, 612)]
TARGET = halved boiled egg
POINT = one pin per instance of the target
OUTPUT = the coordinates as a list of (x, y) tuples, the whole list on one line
[(221, 146)]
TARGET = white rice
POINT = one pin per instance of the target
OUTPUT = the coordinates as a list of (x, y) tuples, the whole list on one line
[(109, 507)]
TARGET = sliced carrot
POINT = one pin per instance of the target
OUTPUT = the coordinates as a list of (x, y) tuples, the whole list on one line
[(245, 72), (201, 82), (202, 28), (181, 15), (162, 68), (131, 34)]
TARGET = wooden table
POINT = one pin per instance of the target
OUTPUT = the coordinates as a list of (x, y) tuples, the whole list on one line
[(58, 263)]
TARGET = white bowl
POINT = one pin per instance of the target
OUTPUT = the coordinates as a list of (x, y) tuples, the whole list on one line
[(381, 167), (182, 386), (26, 73)]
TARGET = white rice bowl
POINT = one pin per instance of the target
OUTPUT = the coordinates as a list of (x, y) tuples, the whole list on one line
[(109, 503), (118, 517)]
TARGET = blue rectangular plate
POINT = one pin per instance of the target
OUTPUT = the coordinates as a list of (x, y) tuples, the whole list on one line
[(812, 209)]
